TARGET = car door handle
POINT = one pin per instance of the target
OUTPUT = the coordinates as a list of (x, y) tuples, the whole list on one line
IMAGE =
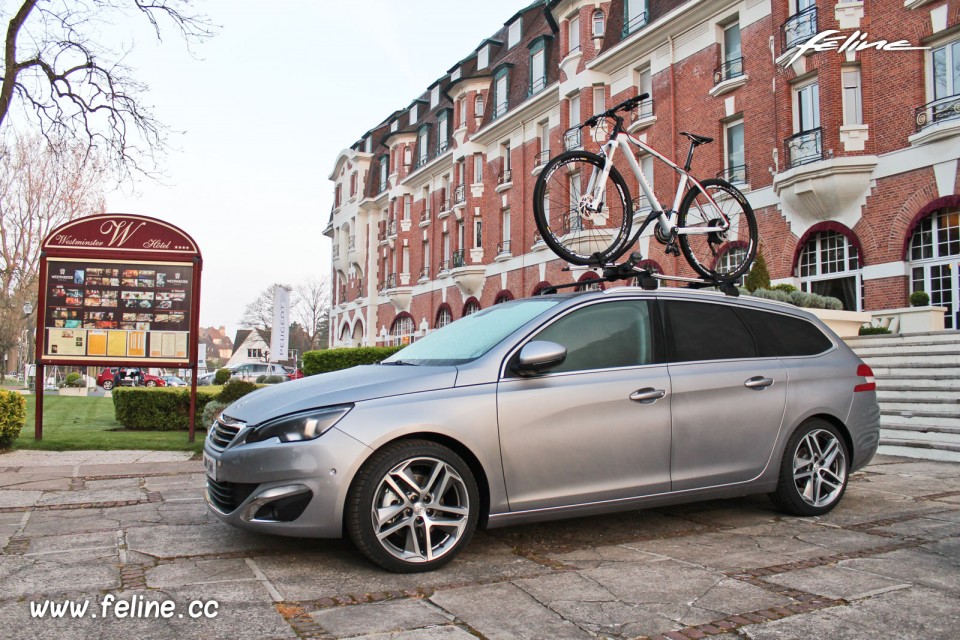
[(758, 382), (648, 395)]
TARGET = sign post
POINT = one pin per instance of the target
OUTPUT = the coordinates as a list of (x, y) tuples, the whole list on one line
[(118, 290)]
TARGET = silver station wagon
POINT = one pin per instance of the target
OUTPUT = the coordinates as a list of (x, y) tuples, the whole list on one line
[(550, 407)]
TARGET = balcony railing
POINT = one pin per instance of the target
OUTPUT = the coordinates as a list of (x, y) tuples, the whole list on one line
[(630, 26), (382, 232), (425, 215), (392, 228), (640, 203), (458, 258), (382, 187), (643, 110), (352, 242), (445, 205), (804, 147), (728, 70), (499, 109), (571, 139), (937, 111), (541, 158), (336, 251), (444, 266), (503, 247), (537, 85), (392, 281), (442, 147), (425, 272), (459, 194), (505, 177), (734, 175), (573, 50), (422, 160), (798, 28)]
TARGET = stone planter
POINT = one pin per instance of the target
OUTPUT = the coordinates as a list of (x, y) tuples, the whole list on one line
[(910, 319), (73, 391), (845, 324)]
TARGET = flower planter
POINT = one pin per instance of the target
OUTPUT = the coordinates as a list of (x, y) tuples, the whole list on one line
[(910, 319), (73, 391), (845, 324)]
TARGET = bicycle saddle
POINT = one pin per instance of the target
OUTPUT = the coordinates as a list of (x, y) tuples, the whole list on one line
[(695, 139)]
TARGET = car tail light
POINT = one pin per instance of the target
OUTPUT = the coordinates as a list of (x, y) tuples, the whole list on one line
[(870, 384)]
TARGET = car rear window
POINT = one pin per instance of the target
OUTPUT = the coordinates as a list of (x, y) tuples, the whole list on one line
[(706, 331), (783, 336)]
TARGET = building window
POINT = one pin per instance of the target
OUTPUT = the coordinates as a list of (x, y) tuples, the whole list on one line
[(599, 99), (255, 353), (830, 266), (471, 307), (945, 62), (368, 145), (642, 204), (483, 57), (572, 136), (435, 97), (423, 140), (413, 113), (443, 131), (500, 92), (934, 252), (503, 296), (336, 196), (506, 175), (402, 330), (543, 134), (852, 96), (353, 184), (384, 172), (635, 15), (478, 106), (538, 67), (514, 33), (477, 168), (477, 234), (573, 33), (505, 236), (732, 66), (807, 144), (599, 24), (735, 165), (444, 317)]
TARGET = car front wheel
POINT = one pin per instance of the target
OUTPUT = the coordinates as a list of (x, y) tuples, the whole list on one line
[(107, 385), (151, 383), (814, 471), (413, 506)]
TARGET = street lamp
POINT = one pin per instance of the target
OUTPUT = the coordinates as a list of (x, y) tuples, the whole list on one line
[(28, 314)]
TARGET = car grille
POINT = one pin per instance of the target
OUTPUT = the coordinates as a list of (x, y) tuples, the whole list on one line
[(227, 496), (225, 429)]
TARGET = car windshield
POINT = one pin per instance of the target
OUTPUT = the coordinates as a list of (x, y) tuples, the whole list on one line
[(471, 336)]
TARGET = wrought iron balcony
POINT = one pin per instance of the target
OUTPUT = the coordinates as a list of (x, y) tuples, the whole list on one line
[(798, 28), (499, 109), (444, 266), (336, 251), (728, 70), (425, 215), (458, 258), (442, 147), (445, 205), (352, 242), (937, 111), (804, 147), (636, 23), (571, 138), (643, 110), (505, 177), (422, 160), (392, 228), (734, 175), (503, 247), (573, 50), (541, 158), (383, 186), (459, 194), (425, 272), (537, 85), (392, 281)]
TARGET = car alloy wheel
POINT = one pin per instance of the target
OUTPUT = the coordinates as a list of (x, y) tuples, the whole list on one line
[(152, 383), (413, 507), (814, 472), (107, 385)]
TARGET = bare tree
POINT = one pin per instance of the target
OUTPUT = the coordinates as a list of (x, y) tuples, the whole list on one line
[(60, 70), (312, 309), (259, 313), (41, 187)]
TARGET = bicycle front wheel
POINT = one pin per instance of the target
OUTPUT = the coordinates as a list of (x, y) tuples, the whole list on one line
[(722, 255), (581, 224)]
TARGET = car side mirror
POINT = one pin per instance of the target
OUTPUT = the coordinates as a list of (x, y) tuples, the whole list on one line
[(538, 356)]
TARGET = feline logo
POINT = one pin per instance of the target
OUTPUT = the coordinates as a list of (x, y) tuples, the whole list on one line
[(857, 41)]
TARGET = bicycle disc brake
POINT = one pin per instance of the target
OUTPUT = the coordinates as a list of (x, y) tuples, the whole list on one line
[(717, 237), (586, 211)]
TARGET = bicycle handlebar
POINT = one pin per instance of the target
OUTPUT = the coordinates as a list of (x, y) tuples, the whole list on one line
[(627, 105)]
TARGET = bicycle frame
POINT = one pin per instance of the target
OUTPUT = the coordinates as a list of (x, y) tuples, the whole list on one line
[(597, 183)]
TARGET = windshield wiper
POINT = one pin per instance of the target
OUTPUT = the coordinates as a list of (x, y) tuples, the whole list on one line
[(400, 363)]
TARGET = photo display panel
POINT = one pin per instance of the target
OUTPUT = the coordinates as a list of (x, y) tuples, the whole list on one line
[(118, 310)]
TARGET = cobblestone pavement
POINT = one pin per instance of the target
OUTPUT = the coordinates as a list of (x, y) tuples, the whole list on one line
[(885, 564)]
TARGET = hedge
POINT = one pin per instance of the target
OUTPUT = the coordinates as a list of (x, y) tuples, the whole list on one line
[(315, 362), (158, 409), (13, 415)]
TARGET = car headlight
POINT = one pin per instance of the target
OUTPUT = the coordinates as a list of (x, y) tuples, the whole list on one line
[(300, 427)]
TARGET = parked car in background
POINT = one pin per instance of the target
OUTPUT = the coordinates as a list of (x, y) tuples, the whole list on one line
[(250, 371), (293, 372), (129, 377), (550, 407), (174, 381)]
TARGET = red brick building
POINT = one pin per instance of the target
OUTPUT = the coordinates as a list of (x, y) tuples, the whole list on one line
[(849, 159)]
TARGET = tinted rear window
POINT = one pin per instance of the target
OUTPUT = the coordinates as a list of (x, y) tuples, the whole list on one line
[(784, 336), (706, 331)]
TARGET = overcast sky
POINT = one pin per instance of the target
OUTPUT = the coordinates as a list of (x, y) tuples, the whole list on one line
[(264, 108)]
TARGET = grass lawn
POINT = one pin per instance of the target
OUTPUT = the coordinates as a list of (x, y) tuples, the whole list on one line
[(75, 423)]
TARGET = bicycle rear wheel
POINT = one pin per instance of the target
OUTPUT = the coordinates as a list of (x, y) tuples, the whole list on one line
[(563, 210), (718, 255)]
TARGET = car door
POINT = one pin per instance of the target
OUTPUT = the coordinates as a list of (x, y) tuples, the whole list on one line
[(728, 403), (597, 427)]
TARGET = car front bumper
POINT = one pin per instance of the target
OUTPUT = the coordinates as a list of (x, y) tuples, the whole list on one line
[(291, 489)]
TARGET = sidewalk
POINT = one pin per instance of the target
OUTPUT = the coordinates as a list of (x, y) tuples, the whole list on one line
[(91, 526)]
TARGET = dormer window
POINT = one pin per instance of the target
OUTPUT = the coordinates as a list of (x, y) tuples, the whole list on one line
[(599, 24), (515, 33), (483, 57), (435, 97), (413, 114)]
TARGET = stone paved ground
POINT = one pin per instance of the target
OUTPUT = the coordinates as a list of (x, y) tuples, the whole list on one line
[(885, 564)]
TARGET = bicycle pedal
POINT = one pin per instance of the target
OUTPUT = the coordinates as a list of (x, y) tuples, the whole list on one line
[(672, 249)]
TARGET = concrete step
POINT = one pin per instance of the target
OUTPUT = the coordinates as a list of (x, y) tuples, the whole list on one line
[(925, 401), (952, 439), (923, 453), (918, 349), (901, 339), (920, 444), (890, 418), (917, 383), (896, 359), (905, 427)]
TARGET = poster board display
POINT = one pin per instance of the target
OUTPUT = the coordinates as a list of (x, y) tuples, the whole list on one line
[(129, 311)]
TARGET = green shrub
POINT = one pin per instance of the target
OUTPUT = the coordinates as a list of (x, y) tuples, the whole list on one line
[(272, 379), (74, 380), (759, 276), (158, 409), (234, 390), (222, 375), (773, 294), (261, 378), (867, 330), (784, 286), (210, 413), (315, 362), (919, 299), (13, 415)]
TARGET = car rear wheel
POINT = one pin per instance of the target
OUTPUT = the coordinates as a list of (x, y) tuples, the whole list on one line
[(152, 383), (413, 506), (814, 471), (107, 385)]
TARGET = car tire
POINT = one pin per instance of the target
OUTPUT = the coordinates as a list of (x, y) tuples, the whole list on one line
[(814, 471), (393, 507), (151, 384), (107, 385)]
